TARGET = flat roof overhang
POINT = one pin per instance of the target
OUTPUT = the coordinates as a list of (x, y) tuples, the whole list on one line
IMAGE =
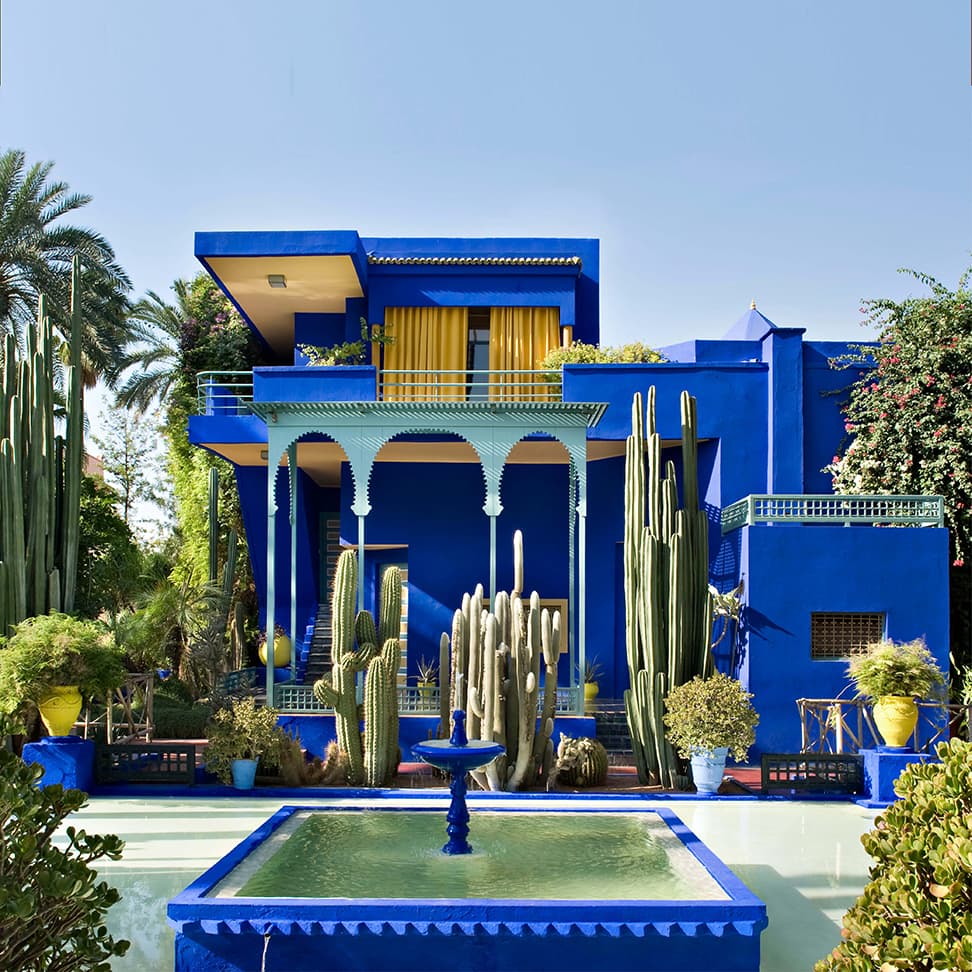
[(322, 270)]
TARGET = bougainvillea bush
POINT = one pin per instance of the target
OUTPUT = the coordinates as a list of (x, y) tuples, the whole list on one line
[(909, 420), (915, 914)]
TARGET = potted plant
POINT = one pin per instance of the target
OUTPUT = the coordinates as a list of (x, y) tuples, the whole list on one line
[(589, 676), (53, 662), (428, 674), (892, 676), (239, 737), (706, 719), (281, 647)]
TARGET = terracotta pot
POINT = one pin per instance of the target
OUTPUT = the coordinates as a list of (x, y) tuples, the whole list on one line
[(895, 717), (281, 651), (60, 710)]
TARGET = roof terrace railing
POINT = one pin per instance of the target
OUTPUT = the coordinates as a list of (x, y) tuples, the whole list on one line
[(230, 392), (470, 386), (827, 509), (224, 392)]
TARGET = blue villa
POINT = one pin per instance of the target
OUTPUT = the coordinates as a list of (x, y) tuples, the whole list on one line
[(450, 439)]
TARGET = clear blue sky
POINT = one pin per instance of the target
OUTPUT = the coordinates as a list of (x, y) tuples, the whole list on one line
[(793, 152)]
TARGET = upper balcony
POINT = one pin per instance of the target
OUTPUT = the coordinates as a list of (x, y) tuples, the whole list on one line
[(231, 392)]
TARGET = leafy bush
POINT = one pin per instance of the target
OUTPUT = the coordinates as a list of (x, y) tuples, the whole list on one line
[(176, 719), (888, 668), (51, 910), (916, 911), (581, 353), (243, 731), (707, 714), (56, 649)]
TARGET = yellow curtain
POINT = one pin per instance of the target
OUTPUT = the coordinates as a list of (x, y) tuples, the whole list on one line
[(519, 339), (427, 340)]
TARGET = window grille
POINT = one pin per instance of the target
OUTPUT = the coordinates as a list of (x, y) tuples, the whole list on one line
[(844, 635)]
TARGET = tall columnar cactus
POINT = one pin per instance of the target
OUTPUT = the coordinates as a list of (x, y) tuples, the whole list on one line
[(40, 474), (374, 761), (495, 676), (668, 613)]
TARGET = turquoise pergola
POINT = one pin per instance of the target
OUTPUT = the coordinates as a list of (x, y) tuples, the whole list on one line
[(361, 429)]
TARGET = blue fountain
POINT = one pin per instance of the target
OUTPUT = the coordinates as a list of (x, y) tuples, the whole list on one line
[(457, 755)]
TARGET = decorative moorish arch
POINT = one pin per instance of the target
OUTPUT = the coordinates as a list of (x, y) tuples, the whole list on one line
[(361, 429)]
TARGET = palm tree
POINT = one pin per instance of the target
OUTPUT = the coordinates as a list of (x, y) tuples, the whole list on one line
[(155, 335), (36, 250)]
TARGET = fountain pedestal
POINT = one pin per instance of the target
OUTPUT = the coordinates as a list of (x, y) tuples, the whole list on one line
[(457, 755)]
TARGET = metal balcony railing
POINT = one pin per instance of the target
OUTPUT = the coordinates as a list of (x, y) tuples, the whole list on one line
[(833, 510), (224, 392), (470, 386)]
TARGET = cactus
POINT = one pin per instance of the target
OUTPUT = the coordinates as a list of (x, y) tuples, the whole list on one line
[(40, 475), (375, 759), (581, 762), (497, 661), (668, 610)]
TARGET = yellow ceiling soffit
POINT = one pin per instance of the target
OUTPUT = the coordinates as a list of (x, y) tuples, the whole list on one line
[(315, 284)]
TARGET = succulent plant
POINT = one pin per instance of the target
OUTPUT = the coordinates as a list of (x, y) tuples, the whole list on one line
[(581, 762), (916, 911)]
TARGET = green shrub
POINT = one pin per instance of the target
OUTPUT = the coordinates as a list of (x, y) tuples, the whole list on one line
[(243, 731), (180, 720), (907, 669), (580, 353), (52, 909), (56, 649), (916, 911), (710, 713)]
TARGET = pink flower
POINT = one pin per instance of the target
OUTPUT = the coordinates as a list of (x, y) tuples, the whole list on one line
[(958, 563)]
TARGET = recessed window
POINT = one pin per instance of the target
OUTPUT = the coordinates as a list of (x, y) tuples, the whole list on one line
[(477, 354), (844, 635)]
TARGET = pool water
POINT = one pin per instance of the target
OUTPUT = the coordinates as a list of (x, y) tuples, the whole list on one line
[(382, 854)]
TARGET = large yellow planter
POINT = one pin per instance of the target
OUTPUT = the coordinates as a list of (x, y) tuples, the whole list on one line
[(281, 651), (590, 694), (60, 710), (895, 717)]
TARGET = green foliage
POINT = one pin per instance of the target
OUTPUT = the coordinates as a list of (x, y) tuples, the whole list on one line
[(348, 352), (52, 909), (915, 913), (708, 714), (581, 353), (909, 418), (242, 731), (592, 670), (36, 250), (428, 670), (109, 561), (140, 641), (888, 668), (179, 719), (56, 649)]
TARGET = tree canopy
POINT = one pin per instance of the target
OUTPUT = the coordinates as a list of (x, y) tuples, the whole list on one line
[(36, 249)]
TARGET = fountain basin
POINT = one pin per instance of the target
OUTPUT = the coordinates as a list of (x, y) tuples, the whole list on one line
[(221, 924)]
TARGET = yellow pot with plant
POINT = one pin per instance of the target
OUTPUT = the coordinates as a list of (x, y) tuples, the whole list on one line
[(281, 648), (53, 662), (893, 675), (590, 675), (428, 674)]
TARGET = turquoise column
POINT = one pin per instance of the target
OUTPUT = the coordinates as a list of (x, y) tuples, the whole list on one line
[(292, 475), (571, 619), (271, 555)]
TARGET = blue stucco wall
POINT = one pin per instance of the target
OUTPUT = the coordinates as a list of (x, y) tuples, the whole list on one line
[(793, 571)]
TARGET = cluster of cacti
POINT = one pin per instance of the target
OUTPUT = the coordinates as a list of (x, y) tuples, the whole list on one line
[(495, 676), (40, 473), (372, 759), (581, 762), (668, 612)]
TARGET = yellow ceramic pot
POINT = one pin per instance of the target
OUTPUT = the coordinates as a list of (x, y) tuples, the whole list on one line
[(426, 692), (60, 710), (590, 694), (895, 717), (281, 651)]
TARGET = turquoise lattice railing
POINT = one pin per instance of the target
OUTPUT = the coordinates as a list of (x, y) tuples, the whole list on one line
[(824, 508)]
